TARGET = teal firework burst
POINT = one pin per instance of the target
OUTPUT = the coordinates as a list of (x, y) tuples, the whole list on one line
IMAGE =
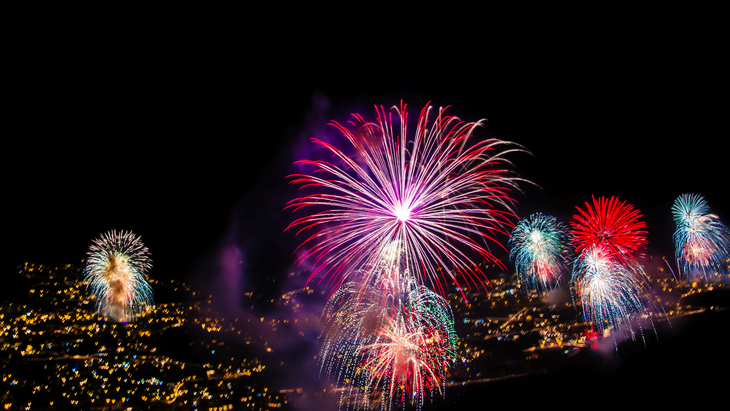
[(538, 246), (701, 241)]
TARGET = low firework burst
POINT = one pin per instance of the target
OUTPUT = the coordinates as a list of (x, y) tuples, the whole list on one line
[(116, 269), (392, 339), (614, 296)]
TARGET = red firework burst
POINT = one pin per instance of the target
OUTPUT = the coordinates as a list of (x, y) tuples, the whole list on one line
[(610, 224), (592, 337)]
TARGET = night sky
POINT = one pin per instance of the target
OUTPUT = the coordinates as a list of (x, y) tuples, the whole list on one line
[(187, 139), (185, 135)]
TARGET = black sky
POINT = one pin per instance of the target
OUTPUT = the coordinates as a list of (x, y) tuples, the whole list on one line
[(185, 133)]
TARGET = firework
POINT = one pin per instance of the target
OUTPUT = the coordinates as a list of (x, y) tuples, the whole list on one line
[(591, 337), (538, 247), (392, 338), (613, 294), (440, 193), (701, 240), (116, 270), (608, 281), (412, 351), (613, 225)]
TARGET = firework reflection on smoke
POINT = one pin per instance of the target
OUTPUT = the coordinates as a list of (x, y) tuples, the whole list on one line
[(116, 270), (538, 247), (437, 192), (702, 242), (391, 339)]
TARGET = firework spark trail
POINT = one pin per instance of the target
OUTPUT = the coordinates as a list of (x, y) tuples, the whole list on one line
[(391, 338), (613, 294), (116, 269), (611, 224), (701, 240), (538, 247), (439, 195)]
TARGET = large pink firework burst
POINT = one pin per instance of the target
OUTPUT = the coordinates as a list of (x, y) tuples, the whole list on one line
[(442, 194)]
